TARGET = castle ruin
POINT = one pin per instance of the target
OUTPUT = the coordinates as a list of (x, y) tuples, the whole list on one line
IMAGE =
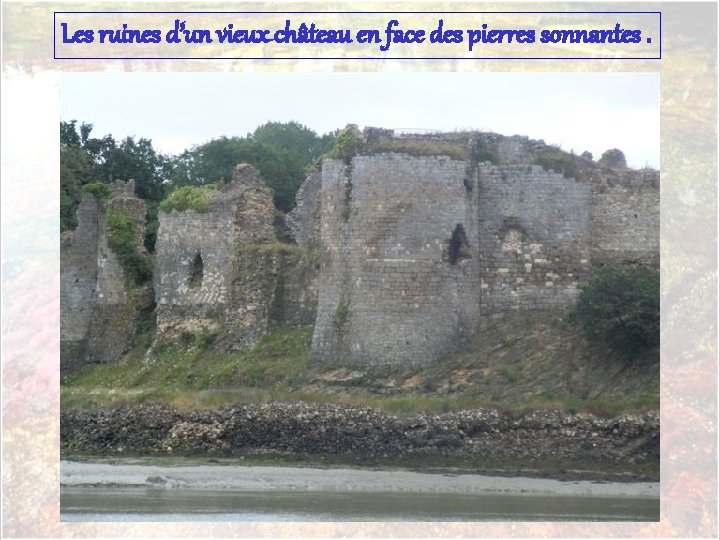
[(419, 248), (99, 307), (399, 248)]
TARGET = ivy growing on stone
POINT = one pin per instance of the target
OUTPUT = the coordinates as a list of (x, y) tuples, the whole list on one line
[(122, 239), (100, 190)]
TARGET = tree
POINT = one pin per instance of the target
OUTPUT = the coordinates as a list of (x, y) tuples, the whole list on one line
[(295, 138), (621, 308), (85, 159), (215, 161), (137, 160), (77, 168)]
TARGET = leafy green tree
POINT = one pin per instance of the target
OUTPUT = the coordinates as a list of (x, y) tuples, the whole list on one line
[(88, 160), (295, 138), (280, 151), (77, 168), (137, 160), (621, 308), (215, 161)]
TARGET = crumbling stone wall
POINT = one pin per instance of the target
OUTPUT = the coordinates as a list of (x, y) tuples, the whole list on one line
[(626, 218), (224, 272), (534, 228), (100, 310), (396, 255), (399, 270), (304, 219), (418, 248)]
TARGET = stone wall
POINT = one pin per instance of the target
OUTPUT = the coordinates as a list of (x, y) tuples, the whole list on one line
[(100, 310), (396, 254), (419, 247), (224, 272), (626, 218), (304, 219), (399, 270), (534, 228)]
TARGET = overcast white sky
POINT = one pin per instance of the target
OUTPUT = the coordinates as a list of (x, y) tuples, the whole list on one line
[(578, 111)]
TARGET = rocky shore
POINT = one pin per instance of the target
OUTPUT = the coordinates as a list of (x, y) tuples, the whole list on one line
[(483, 440)]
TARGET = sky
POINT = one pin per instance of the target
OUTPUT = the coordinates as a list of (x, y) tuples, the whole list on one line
[(576, 111)]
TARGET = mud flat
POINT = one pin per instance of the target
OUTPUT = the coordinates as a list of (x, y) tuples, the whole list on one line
[(311, 479)]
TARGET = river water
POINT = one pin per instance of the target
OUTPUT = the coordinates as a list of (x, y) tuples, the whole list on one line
[(112, 492), (133, 504)]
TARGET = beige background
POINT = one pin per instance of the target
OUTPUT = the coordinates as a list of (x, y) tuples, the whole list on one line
[(30, 232)]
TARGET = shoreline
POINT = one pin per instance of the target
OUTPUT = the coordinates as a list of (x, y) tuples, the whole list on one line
[(540, 444), (262, 478)]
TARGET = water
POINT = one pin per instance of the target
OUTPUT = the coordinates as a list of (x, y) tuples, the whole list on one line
[(85, 503)]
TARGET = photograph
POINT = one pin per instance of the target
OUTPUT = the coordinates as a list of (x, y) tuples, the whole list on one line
[(341, 297)]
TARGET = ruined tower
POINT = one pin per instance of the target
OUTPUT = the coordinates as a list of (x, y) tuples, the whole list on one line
[(423, 237), (220, 270), (399, 277), (100, 297)]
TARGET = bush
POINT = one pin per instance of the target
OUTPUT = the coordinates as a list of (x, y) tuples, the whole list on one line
[(98, 189), (561, 162), (613, 158), (621, 308), (342, 312), (347, 144), (483, 150), (189, 198)]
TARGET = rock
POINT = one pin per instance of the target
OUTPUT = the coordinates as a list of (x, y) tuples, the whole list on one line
[(361, 433)]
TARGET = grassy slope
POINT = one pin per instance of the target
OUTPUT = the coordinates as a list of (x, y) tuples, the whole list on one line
[(544, 364)]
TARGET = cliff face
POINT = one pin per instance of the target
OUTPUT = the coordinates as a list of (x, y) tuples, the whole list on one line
[(100, 306)]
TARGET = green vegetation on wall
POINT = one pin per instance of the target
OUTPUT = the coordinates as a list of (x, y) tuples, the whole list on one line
[(416, 147), (122, 239), (342, 312), (348, 144), (561, 162), (98, 189), (483, 150), (190, 198)]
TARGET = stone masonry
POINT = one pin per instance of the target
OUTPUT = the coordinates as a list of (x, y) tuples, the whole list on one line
[(397, 251), (223, 271), (397, 280), (99, 309), (417, 249)]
